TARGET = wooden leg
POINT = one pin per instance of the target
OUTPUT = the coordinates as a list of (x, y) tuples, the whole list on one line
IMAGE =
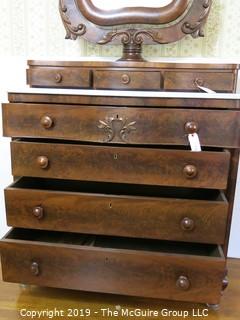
[(24, 286), (216, 307)]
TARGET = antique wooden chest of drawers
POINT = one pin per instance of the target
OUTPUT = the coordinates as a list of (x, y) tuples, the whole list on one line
[(108, 195)]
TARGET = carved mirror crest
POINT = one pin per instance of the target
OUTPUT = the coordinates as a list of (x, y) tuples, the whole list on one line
[(163, 22)]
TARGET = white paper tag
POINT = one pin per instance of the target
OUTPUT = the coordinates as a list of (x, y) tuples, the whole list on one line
[(207, 90), (194, 142)]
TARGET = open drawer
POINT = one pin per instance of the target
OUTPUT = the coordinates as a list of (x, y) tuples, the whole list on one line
[(150, 166), (180, 214), (148, 268)]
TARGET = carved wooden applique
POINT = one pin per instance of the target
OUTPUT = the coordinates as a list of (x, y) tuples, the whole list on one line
[(116, 128), (167, 24)]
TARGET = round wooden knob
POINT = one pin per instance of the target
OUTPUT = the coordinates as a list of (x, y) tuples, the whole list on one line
[(191, 127), (38, 212), (187, 224), (58, 78), (125, 79), (199, 82), (47, 122), (190, 171), (35, 271), (183, 283), (43, 162)]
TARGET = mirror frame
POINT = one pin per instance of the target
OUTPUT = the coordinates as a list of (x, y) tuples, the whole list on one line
[(173, 22), (132, 15)]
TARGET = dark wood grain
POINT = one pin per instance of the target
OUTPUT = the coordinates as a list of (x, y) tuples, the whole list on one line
[(123, 165), (79, 19), (152, 125), (108, 75), (161, 64), (59, 77), (169, 102), (127, 80), (113, 270), (157, 76), (188, 81), (121, 215), (13, 298), (146, 185), (130, 15)]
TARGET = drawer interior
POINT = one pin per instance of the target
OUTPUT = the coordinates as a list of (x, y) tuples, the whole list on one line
[(109, 242), (117, 189)]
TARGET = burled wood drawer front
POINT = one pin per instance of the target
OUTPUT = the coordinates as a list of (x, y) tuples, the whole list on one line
[(59, 77), (122, 125), (189, 215), (121, 164), (189, 81), (114, 265), (127, 80)]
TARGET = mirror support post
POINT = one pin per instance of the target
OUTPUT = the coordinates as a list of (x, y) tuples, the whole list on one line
[(132, 52)]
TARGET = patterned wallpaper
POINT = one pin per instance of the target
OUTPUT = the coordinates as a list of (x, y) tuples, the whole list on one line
[(33, 28)]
